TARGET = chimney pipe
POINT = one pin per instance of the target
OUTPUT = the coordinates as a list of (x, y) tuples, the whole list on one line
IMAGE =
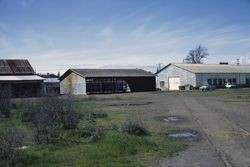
[(238, 61)]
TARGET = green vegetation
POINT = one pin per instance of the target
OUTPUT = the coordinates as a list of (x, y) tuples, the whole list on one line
[(116, 149), (92, 135), (133, 128)]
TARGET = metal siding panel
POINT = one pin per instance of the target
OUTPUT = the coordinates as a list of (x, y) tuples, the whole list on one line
[(21, 78)]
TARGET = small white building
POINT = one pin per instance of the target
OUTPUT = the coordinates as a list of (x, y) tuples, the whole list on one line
[(174, 75)]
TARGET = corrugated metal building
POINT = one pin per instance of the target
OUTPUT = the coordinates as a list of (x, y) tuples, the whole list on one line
[(94, 81), (51, 86), (174, 75), (19, 78)]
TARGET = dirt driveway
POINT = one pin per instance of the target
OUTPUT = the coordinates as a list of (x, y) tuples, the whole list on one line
[(225, 127), (222, 120)]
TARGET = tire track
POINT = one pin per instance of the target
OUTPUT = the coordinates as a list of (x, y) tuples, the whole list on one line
[(225, 117), (221, 154)]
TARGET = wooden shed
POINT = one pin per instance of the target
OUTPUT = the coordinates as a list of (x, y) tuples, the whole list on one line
[(99, 81)]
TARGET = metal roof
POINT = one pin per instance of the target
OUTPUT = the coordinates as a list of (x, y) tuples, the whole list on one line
[(21, 78), (12, 66), (108, 73), (51, 80), (209, 68)]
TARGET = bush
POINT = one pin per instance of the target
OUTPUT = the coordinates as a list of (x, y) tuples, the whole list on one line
[(91, 131), (10, 142), (95, 115), (5, 104), (70, 120), (28, 110), (50, 117), (134, 128)]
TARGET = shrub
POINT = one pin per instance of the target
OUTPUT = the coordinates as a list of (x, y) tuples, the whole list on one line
[(95, 115), (91, 131), (50, 117), (134, 128), (5, 105), (10, 142), (28, 110), (70, 120)]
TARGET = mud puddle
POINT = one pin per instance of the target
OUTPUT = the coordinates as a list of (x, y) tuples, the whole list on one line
[(170, 119), (184, 135)]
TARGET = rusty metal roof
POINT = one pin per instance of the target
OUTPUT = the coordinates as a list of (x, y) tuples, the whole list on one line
[(12, 66), (91, 73), (4, 67)]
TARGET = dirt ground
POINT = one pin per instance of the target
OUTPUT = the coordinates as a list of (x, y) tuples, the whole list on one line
[(222, 120)]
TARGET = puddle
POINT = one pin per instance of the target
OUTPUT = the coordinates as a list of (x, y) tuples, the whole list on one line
[(184, 135), (169, 119), (133, 104)]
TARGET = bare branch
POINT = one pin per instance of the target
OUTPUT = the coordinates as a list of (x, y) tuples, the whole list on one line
[(197, 55)]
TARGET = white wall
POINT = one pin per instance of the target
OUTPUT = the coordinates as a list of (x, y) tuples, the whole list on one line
[(73, 84), (186, 77)]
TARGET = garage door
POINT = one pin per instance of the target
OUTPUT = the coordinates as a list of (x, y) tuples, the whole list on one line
[(174, 83)]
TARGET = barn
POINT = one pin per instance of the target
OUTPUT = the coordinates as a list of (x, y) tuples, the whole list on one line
[(174, 75), (18, 79), (99, 81)]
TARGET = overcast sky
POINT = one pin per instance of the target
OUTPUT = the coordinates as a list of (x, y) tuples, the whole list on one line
[(59, 34)]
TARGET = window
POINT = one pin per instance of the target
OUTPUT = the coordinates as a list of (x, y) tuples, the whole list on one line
[(220, 82), (248, 81), (234, 81), (162, 83), (229, 80), (209, 81), (215, 82)]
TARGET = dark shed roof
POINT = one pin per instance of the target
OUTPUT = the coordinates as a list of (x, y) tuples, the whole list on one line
[(14, 67), (91, 73)]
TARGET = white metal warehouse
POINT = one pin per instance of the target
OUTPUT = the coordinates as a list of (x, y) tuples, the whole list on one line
[(174, 75)]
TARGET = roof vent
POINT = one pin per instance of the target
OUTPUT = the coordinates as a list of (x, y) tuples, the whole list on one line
[(224, 63), (238, 61)]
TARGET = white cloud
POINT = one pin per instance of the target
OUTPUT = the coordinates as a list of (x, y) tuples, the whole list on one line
[(139, 46)]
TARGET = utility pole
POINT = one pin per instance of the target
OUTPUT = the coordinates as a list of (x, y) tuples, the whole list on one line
[(158, 67)]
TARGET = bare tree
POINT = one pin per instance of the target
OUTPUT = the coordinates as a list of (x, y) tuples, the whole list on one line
[(196, 56)]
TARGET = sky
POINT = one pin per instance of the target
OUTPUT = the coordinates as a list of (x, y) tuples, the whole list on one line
[(55, 35)]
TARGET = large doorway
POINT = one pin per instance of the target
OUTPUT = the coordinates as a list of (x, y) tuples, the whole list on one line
[(173, 83)]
